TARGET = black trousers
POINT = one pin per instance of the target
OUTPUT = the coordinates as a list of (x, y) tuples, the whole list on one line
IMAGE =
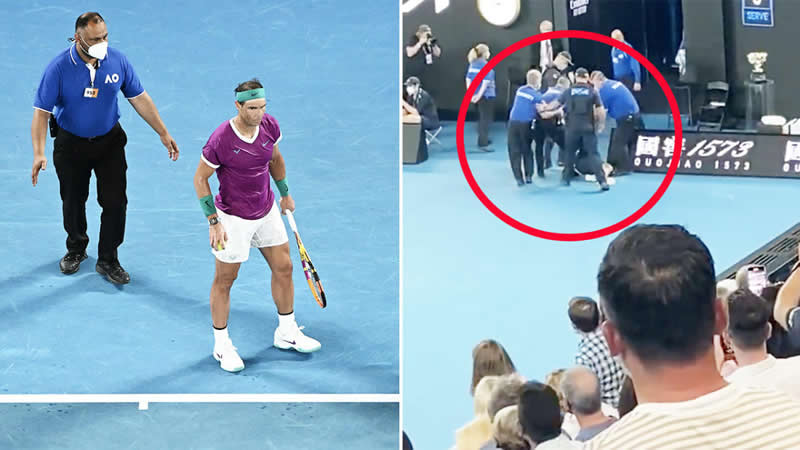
[(485, 118), (582, 145), (542, 130), (75, 158), (623, 145), (520, 137)]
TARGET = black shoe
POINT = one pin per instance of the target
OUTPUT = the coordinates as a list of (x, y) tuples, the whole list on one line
[(71, 262), (565, 182), (113, 272), (520, 183), (540, 173), (604, 186), (528, 180)]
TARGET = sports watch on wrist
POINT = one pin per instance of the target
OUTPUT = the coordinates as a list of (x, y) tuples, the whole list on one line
[(213, 221)]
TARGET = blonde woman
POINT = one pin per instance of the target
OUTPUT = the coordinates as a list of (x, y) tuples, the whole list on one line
[(485, 93), (489, 358), (507, 431), (479, 430)]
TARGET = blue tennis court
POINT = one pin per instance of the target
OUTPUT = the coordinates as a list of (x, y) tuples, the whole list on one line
[(468, 276), (81, 334), (201, 426)]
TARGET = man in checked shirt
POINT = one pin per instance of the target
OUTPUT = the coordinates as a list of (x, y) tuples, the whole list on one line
[(593, 351)]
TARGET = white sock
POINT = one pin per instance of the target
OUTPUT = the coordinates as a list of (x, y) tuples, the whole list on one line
[(220, 336), (286, 322)]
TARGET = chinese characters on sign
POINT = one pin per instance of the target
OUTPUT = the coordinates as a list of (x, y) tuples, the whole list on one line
[(711, 153)]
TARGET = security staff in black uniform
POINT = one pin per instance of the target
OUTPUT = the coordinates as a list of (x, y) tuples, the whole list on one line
[(584, 113)]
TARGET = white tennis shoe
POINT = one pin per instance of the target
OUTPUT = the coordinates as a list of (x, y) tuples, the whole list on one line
[(227, 356), (295, 339)]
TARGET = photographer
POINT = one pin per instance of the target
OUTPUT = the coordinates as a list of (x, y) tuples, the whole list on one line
[(422, 50)]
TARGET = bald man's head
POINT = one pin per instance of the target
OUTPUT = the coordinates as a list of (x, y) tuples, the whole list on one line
[(546, 26), (617, 34), (581, 389)]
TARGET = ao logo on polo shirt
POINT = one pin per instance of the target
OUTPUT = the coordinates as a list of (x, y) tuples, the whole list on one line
[(112, 78)]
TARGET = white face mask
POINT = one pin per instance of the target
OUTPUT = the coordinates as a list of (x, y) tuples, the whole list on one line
[(98, 51), (411, 91)]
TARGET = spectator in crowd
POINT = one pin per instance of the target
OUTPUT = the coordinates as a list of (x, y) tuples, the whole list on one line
[(479, 430), (787, 305), (505, 392), (627, 397), (581, 389), (626, 67), (624, 109), (520, 134), (657, 291), (782, 343), (489, 358), (484, 95), (547, 49), (554, 379), (507, 431), (422, 50), (407, 442), (723, 353), (540, 417), (748, 329), (593, 351)]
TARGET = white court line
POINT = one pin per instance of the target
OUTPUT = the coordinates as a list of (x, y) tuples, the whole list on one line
[(201, 398)]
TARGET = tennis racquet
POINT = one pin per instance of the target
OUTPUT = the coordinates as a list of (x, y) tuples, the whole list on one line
[(308, 267)]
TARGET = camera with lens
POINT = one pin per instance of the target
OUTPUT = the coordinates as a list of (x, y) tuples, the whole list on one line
[(431, 39)]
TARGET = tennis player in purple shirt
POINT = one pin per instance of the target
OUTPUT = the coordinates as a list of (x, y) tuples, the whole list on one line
[(243, 152)]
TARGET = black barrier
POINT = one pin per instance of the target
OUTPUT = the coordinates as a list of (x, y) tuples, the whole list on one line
[(715, 153)]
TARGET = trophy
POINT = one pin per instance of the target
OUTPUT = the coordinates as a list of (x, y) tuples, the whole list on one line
[(757, 60)]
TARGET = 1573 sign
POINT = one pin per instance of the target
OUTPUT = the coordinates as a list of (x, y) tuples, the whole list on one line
[(720, 154)]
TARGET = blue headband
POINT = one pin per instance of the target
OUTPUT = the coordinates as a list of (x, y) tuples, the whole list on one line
[(252, 94)]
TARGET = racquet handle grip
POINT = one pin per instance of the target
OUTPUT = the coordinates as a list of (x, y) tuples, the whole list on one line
[(292, 224)]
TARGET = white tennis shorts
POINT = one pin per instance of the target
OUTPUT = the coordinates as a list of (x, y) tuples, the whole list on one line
[(243, 234)]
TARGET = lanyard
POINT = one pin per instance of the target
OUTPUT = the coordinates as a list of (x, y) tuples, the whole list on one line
[(92, 72)]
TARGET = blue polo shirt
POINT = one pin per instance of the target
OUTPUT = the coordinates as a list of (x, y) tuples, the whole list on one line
[(63, 84), (625, 65), (525, 101), (551, 94), (472, 72), (618, 99)]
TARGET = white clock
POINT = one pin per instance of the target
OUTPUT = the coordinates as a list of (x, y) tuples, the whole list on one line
[(501, 13)]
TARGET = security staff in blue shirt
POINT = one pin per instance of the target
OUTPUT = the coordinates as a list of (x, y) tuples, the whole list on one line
[(520, 134), (547, 131), (623, 108), (484, 95), (626, 67), (584, 113), (80, 87)]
